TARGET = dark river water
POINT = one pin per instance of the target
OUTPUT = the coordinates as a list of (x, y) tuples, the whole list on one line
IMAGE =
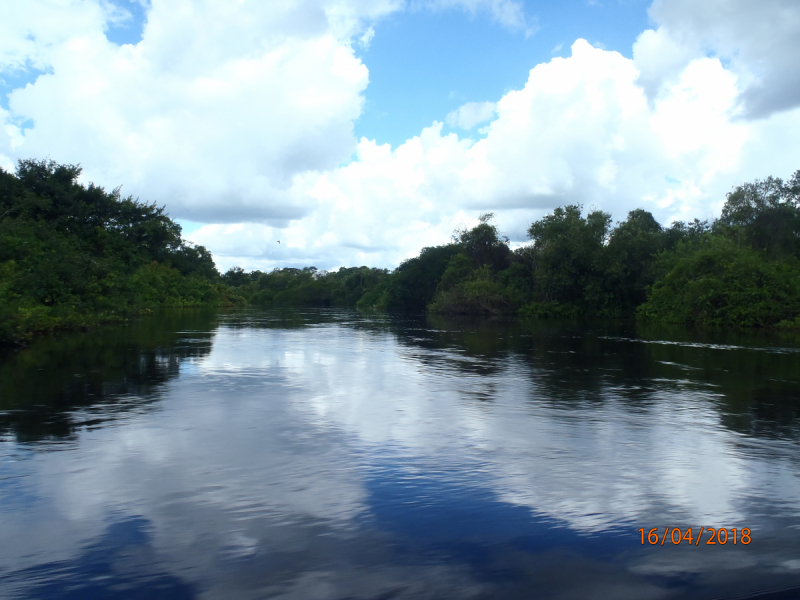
[(331, 455)]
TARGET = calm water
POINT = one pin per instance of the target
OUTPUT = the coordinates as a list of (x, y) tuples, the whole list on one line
[(331, 455)]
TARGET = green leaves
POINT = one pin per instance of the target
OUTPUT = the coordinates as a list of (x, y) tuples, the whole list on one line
[(306, 287), (720, 283), (72, 255), (764, 215), (568, 256), (480, 293), (483, 244)]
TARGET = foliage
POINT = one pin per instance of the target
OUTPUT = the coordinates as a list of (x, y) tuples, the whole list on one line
[(72, 255), (483, 244), (459, 268), (721, 283), (305, 287), (631, 250), (480, 277), (741, 270), (412, 285), (480, 293), (764, 215), (568, 256), (744, 270)]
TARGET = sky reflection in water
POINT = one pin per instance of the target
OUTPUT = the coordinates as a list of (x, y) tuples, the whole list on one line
[(331, 455)]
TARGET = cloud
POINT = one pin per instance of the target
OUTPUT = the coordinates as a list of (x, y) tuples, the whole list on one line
[(30, 32), (509, 13), (213, 112), (580, 131), (365, 40), (242, 114), (471, 114), (758, 41)]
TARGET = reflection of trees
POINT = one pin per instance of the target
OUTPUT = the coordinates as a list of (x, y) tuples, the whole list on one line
[(751, 377), (750, 381), (56, 385), (755, 376), (286, 318)]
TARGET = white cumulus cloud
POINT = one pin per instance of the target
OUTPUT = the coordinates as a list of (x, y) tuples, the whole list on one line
[(580, 131), (239, 116), (759, 40), (470, 114), (213, 112)]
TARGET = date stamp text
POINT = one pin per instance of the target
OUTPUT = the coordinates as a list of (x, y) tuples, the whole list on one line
[(709, 536)]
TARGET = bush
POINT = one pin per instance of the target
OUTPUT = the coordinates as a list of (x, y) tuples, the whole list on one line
[(720, 283), (72, 255), (481, 294)]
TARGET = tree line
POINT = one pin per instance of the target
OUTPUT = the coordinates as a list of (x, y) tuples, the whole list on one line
[(741, 270), (72, 255)]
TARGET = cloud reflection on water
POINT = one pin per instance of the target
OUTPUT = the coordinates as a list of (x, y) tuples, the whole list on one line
[(357, 459)]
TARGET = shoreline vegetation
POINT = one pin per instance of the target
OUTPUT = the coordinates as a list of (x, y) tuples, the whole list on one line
[(73, 256)]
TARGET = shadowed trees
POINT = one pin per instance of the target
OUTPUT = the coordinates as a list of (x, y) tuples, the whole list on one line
[(71, 255), (744, 270)]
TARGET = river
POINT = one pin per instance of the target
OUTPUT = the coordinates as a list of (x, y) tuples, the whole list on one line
[(333, 455)]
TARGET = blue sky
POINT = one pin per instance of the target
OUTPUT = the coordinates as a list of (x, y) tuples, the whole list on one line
[(255, 121), (128, 31), (424, 64)]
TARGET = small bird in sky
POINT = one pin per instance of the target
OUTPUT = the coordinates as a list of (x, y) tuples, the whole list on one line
[(279, 241)]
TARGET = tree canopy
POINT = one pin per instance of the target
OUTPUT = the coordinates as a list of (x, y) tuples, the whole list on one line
[(72, 255)]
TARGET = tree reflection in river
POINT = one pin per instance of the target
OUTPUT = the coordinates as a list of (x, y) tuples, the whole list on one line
[(303, 454), (54, 386)]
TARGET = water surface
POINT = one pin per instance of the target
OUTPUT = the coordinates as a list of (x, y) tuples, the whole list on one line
[(321, 454)]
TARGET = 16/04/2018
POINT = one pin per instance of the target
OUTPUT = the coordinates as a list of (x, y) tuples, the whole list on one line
[(676, 536)]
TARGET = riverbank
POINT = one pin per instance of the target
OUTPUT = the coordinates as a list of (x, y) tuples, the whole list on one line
[(73, 256), (742, 270)]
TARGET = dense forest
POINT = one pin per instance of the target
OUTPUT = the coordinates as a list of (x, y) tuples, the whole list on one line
[(72, 255), (741, 270)]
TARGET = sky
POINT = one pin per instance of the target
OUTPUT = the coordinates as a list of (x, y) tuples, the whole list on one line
[(357, 132)]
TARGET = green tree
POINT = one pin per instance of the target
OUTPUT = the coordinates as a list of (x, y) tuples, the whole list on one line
[(71, 255), (720, 283), (764, 214), (413, 284), (631, 251), (568, 258), (484, 245)]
